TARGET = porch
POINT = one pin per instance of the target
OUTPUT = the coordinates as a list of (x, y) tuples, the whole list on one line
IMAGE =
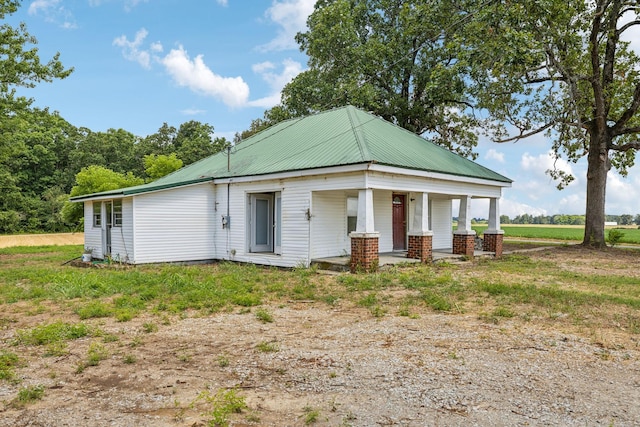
[(342, 263)]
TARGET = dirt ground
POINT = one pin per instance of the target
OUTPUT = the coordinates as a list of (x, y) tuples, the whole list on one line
[(336, 365)]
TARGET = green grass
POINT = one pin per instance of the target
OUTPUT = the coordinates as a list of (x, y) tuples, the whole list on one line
[(556, 232), (8, 363), (516, 284)]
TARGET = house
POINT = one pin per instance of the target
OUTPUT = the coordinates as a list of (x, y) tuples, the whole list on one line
[(338, 182)]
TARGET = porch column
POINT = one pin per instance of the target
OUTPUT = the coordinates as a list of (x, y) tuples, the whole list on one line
[(420, 237), (493, 235), (464, 236), (364, 241)]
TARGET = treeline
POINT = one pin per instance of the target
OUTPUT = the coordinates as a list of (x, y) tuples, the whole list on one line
[(41, 154), (560, 219)]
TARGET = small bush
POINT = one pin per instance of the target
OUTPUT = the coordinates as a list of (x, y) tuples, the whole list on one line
[(264, 316), (51, 333), (8, 361), (223, 403), (29, 394), (614, 236)]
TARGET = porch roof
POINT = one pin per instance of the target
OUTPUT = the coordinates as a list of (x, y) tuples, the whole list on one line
[(338, 137)]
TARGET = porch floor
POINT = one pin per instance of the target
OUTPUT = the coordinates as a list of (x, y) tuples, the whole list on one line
[(341, 263)]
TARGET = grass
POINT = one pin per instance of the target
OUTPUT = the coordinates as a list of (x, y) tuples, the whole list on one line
[(220, 406), (33, 281), (558, 232)]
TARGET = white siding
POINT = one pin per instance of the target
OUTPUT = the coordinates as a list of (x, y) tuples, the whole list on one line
[(404, 183), (383, 219), (122, 237), (174, 225), (92, 235), (329, 224), (441, 223)]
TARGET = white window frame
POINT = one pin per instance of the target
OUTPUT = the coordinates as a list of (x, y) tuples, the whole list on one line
[(97, 214), (117, 213)]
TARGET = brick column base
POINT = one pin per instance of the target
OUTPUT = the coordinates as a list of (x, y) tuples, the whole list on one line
[(364, 252), (464, 243), (421, 246), (493, 242)]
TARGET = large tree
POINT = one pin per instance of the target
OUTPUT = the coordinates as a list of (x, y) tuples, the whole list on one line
[(561, 68), (390, 57)]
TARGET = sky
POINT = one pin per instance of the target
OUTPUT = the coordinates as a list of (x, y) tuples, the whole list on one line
[(141, 63)]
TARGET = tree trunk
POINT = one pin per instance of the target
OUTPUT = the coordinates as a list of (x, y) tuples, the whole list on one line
[(598, 167)]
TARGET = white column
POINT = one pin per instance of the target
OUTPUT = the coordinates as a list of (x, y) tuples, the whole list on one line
[(420, 224), (464, 216), (365, 223), (494, 216)]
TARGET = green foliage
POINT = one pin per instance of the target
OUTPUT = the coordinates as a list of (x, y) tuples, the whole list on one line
[(268, 347), (614, 236), (264, 316), (8, 363), (221, 405), (391, 58), (29, 394), (158, 165), (95, 179), (51, 333)]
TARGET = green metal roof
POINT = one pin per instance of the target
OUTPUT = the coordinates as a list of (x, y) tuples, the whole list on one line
[(343, 136)]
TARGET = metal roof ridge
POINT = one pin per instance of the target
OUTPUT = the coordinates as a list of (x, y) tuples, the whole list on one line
[(361, 140)]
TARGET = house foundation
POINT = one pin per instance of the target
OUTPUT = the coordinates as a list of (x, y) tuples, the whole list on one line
[(365, 255), (421, 246), (493, 242)]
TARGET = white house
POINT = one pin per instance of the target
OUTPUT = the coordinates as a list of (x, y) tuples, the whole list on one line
[(339, 182)]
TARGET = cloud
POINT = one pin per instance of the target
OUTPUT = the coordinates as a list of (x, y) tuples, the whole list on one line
[(199, 78), (131, 49), (623, 194), (494, 155), (512, 208), (53, 12), (276, 81), (193, 112), (539, 165), (291, 16), (222, 2)]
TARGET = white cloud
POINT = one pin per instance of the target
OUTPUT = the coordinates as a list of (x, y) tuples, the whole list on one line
[(276, 81), (222, 2), (291, 16), (193, 112), (53, 12), (130, 4), (539, 165), (623, 194), (131, 49), (195, 75), (156, 47), (494, 155)]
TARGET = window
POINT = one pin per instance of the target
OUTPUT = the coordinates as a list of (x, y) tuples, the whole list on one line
[(265, 222), (117, 213), (97, 214), (352, 214)]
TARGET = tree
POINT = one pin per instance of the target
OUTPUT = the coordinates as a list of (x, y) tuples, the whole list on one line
[(95, 179), (20, 65), (193, 142), (390, 57), (561, 68), (158, 165)]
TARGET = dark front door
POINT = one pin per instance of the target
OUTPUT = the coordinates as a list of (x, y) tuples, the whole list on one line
[(399, 223)]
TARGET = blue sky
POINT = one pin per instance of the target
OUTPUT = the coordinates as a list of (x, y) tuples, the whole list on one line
[(140, 63)]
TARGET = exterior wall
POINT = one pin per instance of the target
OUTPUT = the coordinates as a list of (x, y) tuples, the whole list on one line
[(383, 219), (441, 223), (92, 235), (329, 224), (299, 195), (406, 183), (122, 237), (174, 225)]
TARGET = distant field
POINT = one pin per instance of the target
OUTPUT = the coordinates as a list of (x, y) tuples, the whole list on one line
[(41, 239), (558, 232)]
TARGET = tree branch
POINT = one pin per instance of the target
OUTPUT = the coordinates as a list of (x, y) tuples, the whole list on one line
[(525, 135), (627, 146), (628, 114)]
